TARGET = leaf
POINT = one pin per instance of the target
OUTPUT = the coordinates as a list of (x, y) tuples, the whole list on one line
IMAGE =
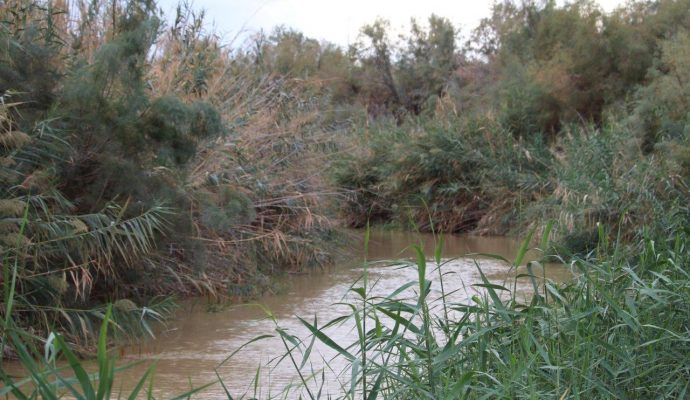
[(140, 384), (327, 340), (256, 339), (438, 251), (498, 303), (307, 352), (524, 247), (105, 377), (81, 375), (421, 273), (543, 245), (360, 291)]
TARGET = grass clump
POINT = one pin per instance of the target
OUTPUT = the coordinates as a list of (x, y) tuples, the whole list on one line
[(476, 176), (457, 175), (617, 330), (46, 379)]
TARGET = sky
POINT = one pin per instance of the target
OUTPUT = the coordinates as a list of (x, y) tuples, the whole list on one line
[(336, 21)]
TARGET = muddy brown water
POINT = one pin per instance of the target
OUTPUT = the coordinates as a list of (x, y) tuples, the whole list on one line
[(190, 349)]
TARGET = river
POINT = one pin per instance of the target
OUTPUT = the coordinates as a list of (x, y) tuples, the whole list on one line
[(189, 351), (192, 348)]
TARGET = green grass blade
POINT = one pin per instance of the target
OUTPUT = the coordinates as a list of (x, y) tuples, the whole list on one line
[(105, 372), (142, 381), (327, 340), (76, 366), (524, 248)]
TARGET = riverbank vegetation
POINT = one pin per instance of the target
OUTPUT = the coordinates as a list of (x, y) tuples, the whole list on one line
[(549, 112), (139, 162), (141, 157), (616, 330)]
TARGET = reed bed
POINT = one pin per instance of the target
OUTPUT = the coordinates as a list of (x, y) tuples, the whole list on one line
[(617, 330)]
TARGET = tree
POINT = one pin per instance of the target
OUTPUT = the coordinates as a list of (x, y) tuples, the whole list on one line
[(427, 63)]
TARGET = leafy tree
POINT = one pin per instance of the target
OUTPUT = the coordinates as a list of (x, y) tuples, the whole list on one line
[(376, 53), (427, 63), (662, 106)]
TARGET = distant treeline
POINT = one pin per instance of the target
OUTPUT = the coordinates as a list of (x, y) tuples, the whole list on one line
[(535, 65)]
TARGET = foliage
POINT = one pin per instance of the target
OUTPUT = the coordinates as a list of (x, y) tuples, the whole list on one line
[(133, 147), (107, 121), (456, 176), (427, 63), (546, 116)]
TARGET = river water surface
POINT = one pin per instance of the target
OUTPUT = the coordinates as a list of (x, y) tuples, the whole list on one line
[(190, 349)]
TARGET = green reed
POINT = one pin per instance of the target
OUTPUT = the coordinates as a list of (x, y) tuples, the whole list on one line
[(618, 329)]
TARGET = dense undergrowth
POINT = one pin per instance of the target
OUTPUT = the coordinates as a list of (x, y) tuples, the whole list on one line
[(141, 161), (474, 176), (549, 112)]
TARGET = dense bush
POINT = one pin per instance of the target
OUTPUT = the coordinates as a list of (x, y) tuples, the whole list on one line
[(564, 116), (110, 190)]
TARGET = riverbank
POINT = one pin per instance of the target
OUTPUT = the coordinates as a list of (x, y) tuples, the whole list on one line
[(129, 179)]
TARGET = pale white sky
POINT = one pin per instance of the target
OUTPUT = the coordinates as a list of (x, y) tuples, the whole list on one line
[(337, 21)]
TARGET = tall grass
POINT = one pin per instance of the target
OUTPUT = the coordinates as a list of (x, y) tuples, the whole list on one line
[(471, 174), (617, 330), (45, 377), (57, 371)]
